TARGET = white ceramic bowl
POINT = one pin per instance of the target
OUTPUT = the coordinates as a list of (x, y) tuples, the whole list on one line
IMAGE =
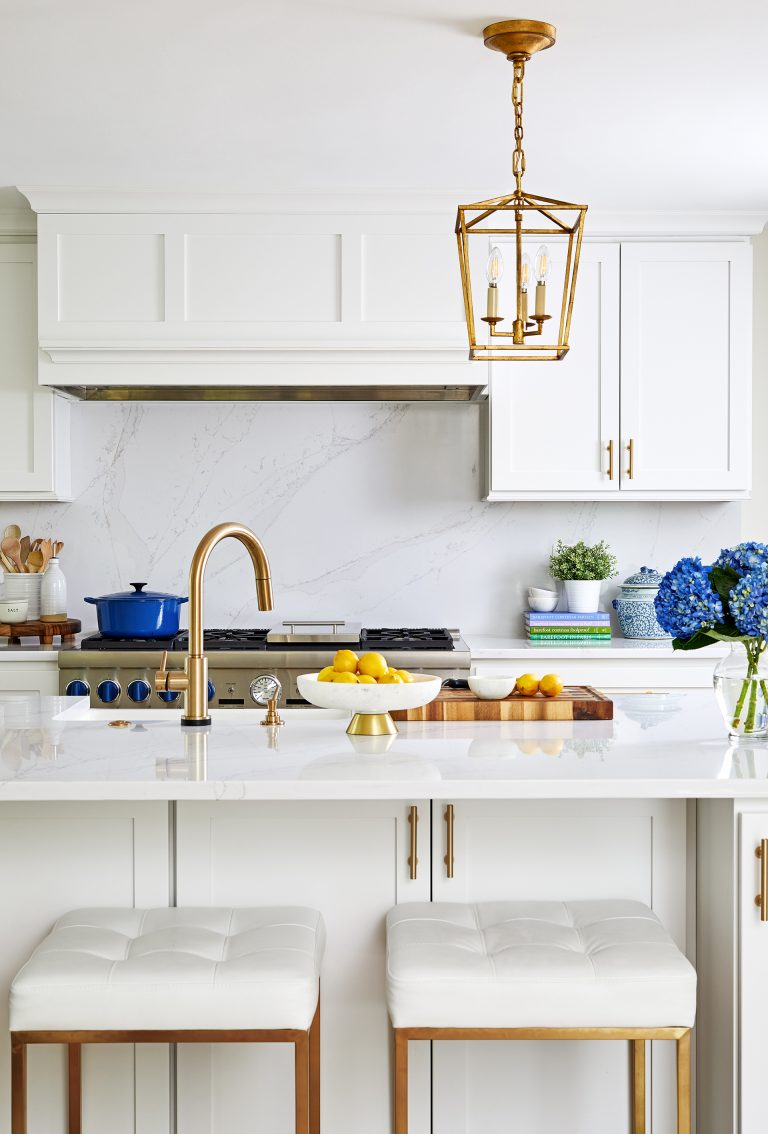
[(491, 687), (541, 592), (369, 698), (23, 587), (536, 602), (13, 610)]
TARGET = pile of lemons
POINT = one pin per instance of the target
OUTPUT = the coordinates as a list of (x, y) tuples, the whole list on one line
[(529, 685), (370, 669)]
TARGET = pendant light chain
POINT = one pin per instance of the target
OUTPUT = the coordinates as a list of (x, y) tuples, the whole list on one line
[(518, 156)]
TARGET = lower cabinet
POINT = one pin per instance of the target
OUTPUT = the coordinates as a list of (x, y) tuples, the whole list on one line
[(556, 851), (30, 676), (350, 861), (753, 972), (55, 857)]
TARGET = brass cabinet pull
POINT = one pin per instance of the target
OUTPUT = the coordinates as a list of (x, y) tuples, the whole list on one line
[(761, 900), (448, 859), (610, 459), (413, 862), (631, 465)]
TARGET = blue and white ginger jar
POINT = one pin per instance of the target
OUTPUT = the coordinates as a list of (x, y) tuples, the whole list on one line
[(634, 606)]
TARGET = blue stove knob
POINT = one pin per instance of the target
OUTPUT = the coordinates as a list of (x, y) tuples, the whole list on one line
[(168, 696), (211, 690), (139, 690), (77, 688), (108, 691)]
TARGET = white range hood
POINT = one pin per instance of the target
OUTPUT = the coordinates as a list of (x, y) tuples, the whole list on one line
[(168, 296)]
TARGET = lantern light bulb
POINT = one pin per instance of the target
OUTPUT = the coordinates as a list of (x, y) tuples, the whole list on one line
[(542, 264), (495, 267), (525, 271)]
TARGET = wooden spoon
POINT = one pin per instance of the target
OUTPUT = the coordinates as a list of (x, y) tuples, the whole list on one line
[(46, 548), (11, 547), (13, 531), (24, 548), (58, 547), (35, 560), (6, 564)]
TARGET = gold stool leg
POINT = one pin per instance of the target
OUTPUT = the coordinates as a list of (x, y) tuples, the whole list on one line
[(637, 1048), (401, 1083), (684, 1084), (74, 1084), (302, 1083), (18, 1087), (314, 1073)]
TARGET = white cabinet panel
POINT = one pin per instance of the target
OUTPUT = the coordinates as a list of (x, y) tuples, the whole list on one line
[(263, 277), (29, 676), (349, 860), (34, 456), (753, 977), (111, 277), (551, 423), (55, 857), (411, 279), (553, 851), (686, 362)]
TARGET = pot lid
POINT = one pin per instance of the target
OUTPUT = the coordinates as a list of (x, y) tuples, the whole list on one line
[(645, 577), (138, 594)]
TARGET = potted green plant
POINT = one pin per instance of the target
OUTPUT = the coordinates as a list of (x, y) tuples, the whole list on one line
[(582, 569)]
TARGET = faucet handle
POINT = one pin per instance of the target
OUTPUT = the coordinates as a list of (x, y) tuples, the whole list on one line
[(272, 718), (170, 680)]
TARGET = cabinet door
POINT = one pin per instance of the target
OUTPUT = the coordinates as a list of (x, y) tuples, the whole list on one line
[(551, 422), (34, 456), (557, 851), (753, 979), (56, 857), (29, 677), (686, 362), (350, 861)]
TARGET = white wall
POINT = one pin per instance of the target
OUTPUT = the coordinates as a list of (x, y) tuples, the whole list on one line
[(367, 511)]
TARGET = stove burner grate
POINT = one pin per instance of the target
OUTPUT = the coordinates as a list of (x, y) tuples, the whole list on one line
[(406, 638)]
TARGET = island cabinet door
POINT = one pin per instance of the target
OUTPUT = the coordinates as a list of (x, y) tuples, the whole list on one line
[(554, 851), (56, 857), (350, 861), (753, 965)]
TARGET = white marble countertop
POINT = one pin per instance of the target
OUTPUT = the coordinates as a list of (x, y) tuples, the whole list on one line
[(485, 646), (659, 745)]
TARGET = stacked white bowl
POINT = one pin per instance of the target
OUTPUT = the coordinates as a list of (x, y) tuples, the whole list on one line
[(24, 587)]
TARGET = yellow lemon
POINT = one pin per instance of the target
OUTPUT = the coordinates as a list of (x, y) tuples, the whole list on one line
[(326, 674), (405, 675), (527, 684), (345, 661), (364, 679), (344, 678), (372, 665), (550, 685), (390, 679)]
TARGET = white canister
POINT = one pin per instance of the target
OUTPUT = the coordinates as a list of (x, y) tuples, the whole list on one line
[(53, 593), (24, 587)]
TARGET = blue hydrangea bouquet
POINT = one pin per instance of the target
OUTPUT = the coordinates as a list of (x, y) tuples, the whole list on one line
[(725, 602)]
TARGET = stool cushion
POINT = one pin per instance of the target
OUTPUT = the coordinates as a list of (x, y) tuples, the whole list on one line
[(592, 964), (127, 969)]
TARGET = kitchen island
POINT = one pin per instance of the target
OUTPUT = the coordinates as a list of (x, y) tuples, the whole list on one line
[(655, 805)]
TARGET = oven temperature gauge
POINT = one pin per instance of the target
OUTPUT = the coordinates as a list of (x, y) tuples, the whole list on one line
[(265, 688)]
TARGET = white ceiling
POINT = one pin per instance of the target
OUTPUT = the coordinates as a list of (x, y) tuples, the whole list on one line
[(661, 104)]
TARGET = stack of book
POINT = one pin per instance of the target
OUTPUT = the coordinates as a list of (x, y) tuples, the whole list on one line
[(563, 627)]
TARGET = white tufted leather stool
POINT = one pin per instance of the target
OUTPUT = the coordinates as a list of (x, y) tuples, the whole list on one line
[(173, 976), (539, 970)]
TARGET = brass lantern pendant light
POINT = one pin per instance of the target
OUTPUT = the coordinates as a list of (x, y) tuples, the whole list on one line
[(540, 237)]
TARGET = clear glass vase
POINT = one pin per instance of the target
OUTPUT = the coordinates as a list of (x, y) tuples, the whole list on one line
[(741, 688)]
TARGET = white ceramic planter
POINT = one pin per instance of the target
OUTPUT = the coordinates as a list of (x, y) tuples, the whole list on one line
[(582, 596)]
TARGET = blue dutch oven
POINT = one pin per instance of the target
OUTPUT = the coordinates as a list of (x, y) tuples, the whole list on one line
[(138, 613)]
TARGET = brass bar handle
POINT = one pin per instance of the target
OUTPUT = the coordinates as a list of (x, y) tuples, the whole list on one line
[(631, 465), (609, 447), (413, 862), (761, 900), (449, 859)]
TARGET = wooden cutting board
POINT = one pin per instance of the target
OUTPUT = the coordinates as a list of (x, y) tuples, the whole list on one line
[(45, 632), (575, 703)]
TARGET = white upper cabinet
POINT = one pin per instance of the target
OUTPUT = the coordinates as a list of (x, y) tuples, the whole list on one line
[(34, 456), (686, 368), (656, 389), (551, 424)]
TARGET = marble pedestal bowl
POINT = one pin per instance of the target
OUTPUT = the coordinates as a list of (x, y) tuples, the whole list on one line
[(370, 704)]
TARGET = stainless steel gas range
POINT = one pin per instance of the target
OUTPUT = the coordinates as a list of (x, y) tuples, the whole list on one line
[(119, 673)]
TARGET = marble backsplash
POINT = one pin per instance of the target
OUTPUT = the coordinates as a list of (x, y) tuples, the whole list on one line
[(369, 512)]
